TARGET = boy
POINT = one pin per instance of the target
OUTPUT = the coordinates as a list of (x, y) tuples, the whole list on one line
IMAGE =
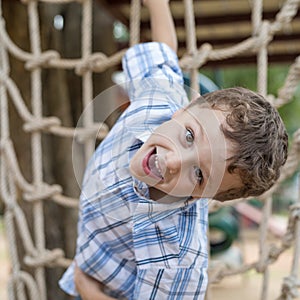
[(143, 209)]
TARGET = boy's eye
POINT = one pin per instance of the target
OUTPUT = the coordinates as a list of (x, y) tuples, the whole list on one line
[(198, 174), (189, 136)]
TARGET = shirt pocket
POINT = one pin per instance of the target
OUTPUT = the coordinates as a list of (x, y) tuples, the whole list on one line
[(157, 245), (166, 284)]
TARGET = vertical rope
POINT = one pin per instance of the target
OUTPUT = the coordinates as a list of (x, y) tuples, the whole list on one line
[(256, 16), (135, 17), (87, 77), (191, 40), (296, 258), (36, 142), (264, 247), (17, 286), (262, 64), (290, 285)]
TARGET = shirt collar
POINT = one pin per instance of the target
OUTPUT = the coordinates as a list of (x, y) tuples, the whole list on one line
[(148, 211)]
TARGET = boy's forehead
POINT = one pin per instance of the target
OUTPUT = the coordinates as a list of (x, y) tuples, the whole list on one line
[(205, 116)]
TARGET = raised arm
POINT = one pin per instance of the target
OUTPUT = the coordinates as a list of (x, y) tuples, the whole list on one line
[(162, 25)]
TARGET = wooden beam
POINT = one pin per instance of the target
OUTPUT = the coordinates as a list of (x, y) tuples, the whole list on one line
[(247, 60), (114, 12), (208, 8)]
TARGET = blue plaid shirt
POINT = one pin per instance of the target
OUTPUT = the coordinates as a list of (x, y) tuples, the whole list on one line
[(140, 248)]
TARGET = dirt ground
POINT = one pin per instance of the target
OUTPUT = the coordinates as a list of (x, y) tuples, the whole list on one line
[(246, 287)]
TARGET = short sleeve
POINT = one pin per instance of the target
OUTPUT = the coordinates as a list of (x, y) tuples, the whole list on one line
[(154, 84), (152, 72), (156, 60)]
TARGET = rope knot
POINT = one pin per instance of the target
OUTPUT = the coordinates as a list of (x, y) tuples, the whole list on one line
[(197, 59), (45, 258), (96, 131), (294, 216), (203, 54), (289, 288), (94, 61), (41, 124), (264, 37), (43, 60), (42, 192), (295, 211), (274, 252), (99, 62), (261, 267)]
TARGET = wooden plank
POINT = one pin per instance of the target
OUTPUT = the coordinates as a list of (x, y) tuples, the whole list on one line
[(232, 32), (206, 8), (111, 9), (251, 60)]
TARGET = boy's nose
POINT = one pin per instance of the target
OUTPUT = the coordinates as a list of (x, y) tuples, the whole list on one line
[(173, 163)]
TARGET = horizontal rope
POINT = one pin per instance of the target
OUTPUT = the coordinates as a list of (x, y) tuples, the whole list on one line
[(42, 192), (45, 258)]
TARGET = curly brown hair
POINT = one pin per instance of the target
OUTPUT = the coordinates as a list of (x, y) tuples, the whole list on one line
[(259, 135)]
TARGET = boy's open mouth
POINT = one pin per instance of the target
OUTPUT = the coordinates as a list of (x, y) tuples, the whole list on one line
[(151, 165)]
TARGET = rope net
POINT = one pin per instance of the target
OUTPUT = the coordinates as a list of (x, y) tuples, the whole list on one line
[(12, 181)]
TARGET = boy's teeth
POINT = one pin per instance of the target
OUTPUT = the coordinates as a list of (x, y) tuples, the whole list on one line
[(154, 165), (157, 165)]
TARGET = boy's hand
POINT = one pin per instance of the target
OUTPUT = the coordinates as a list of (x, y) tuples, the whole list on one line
[(88, 287)]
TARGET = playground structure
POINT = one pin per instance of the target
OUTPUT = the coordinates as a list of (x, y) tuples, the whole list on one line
[(37, 191)]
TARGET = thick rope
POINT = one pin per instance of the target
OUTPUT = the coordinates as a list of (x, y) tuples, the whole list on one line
[(291, 284), (36, 143), (261, 29), (191, 41), (37, 192)]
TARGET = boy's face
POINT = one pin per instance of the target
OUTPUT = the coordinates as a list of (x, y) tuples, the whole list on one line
[(187, 155)]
